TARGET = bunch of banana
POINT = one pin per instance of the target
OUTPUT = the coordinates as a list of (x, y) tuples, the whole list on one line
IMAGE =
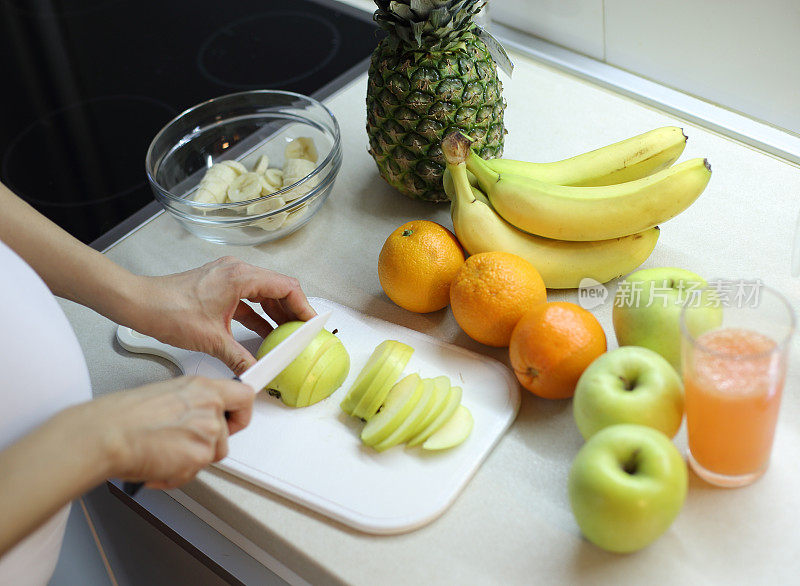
[(600, 230), (567, 212), (630, 159)]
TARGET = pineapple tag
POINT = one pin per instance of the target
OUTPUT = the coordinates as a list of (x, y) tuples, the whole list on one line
[(497, 51)]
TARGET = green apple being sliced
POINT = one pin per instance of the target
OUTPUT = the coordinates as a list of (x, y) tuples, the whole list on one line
[(411, 421), (451, 404), (315, 372), (454, 431), (290, 382), (401, 400), (389, 351), (327, 375), (376, 392)]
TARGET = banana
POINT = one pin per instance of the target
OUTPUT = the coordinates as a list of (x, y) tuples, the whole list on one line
[(262, 165), (221, 172), (294, 171), (562, 264), (274, 178), (273, 222), (245, 187), (235, 166), (301, 148), (211, 190), (590, 213), (623, 161)]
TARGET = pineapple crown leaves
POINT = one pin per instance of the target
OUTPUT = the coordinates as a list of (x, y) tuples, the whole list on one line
[(426, 24)]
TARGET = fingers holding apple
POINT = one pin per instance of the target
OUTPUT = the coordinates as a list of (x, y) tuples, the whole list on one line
[(626, 486), (630, 384)]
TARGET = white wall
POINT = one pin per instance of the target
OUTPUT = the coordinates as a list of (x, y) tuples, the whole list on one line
[(740, 54)]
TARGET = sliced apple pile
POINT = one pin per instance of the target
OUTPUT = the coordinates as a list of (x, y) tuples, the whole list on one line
[(450, 403), (402, 399), (373, 383), (413, 411), (420, 411)]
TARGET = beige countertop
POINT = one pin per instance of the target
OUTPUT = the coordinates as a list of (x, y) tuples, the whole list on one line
[(512, 523)]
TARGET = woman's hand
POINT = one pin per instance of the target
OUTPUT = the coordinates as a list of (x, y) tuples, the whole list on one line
[(164, 433), (193, 310)]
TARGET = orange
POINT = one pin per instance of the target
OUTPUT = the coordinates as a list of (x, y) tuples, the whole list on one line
[(417, 264), (552, 345), (491, 292)]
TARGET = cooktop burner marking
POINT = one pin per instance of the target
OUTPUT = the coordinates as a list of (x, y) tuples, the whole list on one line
[(55, 9), (85, 153), (269, 50)]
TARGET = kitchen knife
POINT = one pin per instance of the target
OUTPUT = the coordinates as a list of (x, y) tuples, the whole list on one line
[(281, 356), (268, 367)]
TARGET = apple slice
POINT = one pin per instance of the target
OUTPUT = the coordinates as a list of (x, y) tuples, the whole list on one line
[(314, 372), (329, 373), (370, 371), (441, 386), (378, 389), (453, 432), (451, 404), (403, 431), (401, 400)]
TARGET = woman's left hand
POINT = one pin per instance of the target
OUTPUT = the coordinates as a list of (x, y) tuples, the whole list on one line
[(194, 309)]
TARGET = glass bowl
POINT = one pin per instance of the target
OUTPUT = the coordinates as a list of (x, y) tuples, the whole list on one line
[(242, 127)]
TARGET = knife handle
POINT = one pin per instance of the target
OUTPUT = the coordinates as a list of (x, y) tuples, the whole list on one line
[(131, 488)]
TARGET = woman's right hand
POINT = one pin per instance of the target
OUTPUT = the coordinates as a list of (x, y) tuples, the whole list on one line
[(164, 433)]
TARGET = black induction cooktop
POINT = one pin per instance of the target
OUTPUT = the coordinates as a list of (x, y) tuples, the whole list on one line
[(88, 83)]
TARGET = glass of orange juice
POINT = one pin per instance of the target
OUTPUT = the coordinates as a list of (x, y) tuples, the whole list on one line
[(733, 377)]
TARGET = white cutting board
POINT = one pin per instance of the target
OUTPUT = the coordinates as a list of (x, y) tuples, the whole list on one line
[(313, 456)]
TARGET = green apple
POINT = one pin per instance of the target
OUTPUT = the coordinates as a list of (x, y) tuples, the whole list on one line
[(629, 385), (402, 399), (296, 381), (626, 486), (454, 431), (411, 421), (647, 310), (377, 377), (451, 404)]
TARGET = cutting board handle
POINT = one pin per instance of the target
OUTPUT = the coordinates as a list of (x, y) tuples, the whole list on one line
[(133, 341)]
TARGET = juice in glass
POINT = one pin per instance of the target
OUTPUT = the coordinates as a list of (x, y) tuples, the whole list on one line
[(733, 378), (732, 400)]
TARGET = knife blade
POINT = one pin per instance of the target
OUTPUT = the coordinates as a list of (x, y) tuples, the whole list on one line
[(281, 356), (267, 368)]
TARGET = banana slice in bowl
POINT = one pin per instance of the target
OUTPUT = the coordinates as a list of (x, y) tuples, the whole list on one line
[(246, 186)]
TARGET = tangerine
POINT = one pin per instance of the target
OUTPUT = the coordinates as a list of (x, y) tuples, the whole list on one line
[(552, 345), (491, 292), (417, 263)]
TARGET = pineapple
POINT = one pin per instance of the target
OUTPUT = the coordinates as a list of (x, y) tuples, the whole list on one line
[(431, 74)]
